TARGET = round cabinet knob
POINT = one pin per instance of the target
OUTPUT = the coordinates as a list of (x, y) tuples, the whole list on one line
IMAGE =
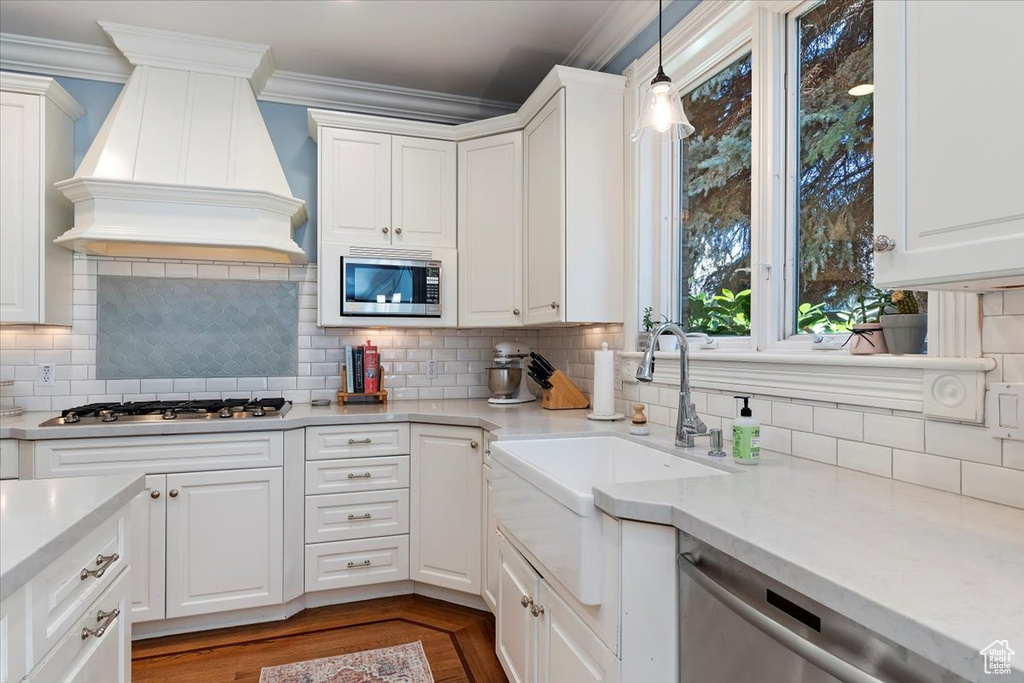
[(526, 601), (554, 304), (515, 311), (173, 493), (537, 610), (154, 494), (384, 230), (398, 231), (884, 243), (473, 444)]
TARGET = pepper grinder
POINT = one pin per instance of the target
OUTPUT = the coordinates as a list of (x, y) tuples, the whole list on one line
[(639, 426)]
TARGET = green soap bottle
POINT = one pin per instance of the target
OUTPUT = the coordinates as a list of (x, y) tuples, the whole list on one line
[(746, 436)]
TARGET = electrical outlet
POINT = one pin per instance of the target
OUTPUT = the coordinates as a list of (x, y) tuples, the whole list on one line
[(46, 373), (432, 369)]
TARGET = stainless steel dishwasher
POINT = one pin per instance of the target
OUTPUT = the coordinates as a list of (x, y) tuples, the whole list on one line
[(739, 626)]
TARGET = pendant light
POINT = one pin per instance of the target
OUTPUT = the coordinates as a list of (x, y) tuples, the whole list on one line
[(662, 109)]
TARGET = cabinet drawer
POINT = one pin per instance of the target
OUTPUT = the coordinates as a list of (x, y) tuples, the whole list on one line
[(100, 656), (356, 441), (357, 474), (343, 564), (62, 592), (346, 516), (164, 454)]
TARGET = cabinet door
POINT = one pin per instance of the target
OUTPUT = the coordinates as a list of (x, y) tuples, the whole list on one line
[(355, 187), (445, 506), (953, 205), (224, 540), (491, 231), (517, 629), (149, 535), (569, 651), (422, 192), (544, 158), (20, 206), (490, 545)]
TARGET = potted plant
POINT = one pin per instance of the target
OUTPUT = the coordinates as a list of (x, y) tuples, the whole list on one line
[(667, 341), (905, 331), (643, 338), (867, 337)]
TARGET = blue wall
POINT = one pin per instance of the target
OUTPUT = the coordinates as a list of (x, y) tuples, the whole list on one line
[(288, 132), (675, 11)]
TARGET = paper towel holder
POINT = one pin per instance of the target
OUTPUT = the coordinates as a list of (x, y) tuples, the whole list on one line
[(613, 416)]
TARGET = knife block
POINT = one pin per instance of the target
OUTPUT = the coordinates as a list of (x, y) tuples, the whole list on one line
[(563, 395)]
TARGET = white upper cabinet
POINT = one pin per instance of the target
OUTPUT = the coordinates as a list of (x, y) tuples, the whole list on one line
[(386, 190), (491, 231), (36, 150), (545, 213), (949, 144), (422, 192), (574, 206), (355, 187)]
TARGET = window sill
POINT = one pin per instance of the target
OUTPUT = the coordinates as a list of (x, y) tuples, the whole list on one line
[(944, 388)]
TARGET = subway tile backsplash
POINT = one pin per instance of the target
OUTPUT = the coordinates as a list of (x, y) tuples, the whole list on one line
[(462, 355)]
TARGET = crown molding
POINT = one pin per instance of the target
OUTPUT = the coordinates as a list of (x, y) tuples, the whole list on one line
[(61, 58), (76, 60), (187, 52), (46, 87), (616, 28), (361, 97)]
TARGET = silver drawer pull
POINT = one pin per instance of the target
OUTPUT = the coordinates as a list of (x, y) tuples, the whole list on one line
[(364, 475), (354, 517), (352, 442), (102, 563), (357, 565), (105, 619)]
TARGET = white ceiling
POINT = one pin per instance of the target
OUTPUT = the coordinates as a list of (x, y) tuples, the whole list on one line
[(490, 49)]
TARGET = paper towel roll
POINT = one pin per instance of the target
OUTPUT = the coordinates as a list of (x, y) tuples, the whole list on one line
[(604, 382)]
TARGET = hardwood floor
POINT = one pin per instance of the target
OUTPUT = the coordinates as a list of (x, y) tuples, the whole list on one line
[(458, 641)]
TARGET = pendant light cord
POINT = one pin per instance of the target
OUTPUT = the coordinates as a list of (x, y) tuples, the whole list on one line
[(659, 35)]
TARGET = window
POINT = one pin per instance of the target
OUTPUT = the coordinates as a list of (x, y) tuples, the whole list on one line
[(714, 204), (831, 166)]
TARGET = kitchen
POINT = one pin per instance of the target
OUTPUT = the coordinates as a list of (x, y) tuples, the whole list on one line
[(317, 358)]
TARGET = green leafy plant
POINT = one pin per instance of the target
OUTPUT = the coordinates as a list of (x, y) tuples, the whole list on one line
[(648, 322)]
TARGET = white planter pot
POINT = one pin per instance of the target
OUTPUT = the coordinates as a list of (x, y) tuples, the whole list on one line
[(668, 342)]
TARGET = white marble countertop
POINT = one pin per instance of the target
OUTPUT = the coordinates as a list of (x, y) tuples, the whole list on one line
[(935, 572), (42, 519)]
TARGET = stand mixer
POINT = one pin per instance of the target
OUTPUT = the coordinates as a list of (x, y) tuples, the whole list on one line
[(506, 378)]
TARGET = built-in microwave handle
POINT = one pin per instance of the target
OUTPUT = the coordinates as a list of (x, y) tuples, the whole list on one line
[(823, 659)]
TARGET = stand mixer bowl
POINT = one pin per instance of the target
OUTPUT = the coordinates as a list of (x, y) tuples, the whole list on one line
[(503, 381)]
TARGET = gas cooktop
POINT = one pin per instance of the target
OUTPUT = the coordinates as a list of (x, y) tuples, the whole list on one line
[(157, 411)]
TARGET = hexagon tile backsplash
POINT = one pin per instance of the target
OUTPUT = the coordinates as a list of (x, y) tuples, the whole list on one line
[(184, 327)]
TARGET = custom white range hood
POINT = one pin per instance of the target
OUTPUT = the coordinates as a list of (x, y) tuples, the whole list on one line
[(183, 166)]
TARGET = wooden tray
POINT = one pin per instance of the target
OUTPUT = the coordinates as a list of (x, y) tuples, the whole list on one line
[(380, 396)]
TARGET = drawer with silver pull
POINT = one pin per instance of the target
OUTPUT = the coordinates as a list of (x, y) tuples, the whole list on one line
[(357, 474), (346, 516), (343, 564), (64, 589), (356, 441), (95, 646)]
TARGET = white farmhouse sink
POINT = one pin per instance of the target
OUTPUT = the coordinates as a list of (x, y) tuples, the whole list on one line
[(543, 496)]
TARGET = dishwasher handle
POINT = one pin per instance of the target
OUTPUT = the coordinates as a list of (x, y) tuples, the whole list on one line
[(802, 647)]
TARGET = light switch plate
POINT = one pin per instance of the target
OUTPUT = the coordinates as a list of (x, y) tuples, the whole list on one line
[(1005, 410)]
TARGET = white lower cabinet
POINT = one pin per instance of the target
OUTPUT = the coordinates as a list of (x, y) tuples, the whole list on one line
[(149, 538), (446, 506), (490, 544), (360, 562), (539, 637), (224, 540), (98, 646)]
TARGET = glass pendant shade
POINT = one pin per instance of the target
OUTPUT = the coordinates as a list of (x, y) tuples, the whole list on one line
[(662, 111)]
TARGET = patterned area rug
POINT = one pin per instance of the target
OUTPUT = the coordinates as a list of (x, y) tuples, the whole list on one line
[(399, 664)]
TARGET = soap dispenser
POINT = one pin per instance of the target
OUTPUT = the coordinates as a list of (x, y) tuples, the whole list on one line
[(746, 436)]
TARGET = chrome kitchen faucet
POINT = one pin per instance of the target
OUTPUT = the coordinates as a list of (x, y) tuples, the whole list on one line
[(688, 424)]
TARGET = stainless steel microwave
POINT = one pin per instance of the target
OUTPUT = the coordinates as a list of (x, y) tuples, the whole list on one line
[(407, 288)]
